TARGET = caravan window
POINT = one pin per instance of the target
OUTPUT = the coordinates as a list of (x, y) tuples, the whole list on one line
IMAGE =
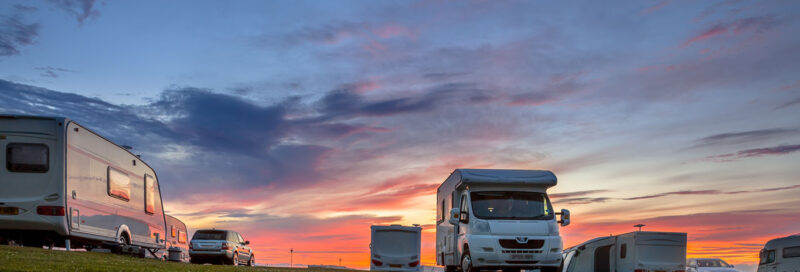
[(150, 195), (791, 252), (181, 237), (623, 251), (119, 184), (31, 158)]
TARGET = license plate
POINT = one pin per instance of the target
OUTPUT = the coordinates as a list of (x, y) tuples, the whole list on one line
[(395, 265), (521, 256), (9, 210)]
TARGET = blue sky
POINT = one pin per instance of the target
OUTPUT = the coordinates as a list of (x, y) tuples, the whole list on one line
[(655, 111)]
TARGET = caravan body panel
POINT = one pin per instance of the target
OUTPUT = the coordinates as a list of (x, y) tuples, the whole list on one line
[(75, 187), (651, 251)]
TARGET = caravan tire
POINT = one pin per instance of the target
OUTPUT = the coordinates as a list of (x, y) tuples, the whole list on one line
[(466, 262), (549, 269)]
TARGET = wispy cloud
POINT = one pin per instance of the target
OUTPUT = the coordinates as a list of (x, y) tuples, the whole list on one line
[(82, 10), (754, 25), (744, 136), (755, 152), (16, 32), (52, 72)]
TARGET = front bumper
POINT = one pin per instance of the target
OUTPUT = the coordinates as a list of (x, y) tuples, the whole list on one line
[(486, 251)]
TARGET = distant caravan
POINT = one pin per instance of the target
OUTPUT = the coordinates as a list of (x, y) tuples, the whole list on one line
[(395, 248), (64, 185), (781, 255), (640, 251), (177, 242), (498, 219)]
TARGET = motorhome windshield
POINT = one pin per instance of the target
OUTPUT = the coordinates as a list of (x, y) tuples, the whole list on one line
[(209, 235), (511, 205), (395, 242)]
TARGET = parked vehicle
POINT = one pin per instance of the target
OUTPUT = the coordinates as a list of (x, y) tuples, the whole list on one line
[(395, 248), (639, 251), (781, 255), (177, 242), (64, 185), (708, 265), (498, 219), (220, 246)]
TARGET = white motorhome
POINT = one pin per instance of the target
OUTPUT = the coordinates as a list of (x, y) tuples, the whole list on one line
[(498, 219), (781, 255), (395, 248), (641, 251), (64, 185)]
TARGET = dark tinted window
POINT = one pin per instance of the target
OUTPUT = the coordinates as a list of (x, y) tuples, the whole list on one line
[(767, 256), (32, 158), (209, 235), (791, 252), (511, 205), (623, 251)]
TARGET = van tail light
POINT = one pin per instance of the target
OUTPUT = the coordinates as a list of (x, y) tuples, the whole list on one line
[(414, 264), (50, 210), (191, 246), (224, 245), (376, 262)]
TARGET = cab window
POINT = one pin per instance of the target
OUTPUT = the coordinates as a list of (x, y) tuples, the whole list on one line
[(25, 157), (767, 256), (119, 184)]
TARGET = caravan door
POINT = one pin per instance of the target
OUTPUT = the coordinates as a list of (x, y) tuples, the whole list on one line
[(604, 256)]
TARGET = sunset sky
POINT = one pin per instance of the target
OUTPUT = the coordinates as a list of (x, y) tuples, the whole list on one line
[(300, 124)]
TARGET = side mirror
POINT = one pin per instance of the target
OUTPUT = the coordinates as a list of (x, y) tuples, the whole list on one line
[(246, 242), (454, 215), (463, 217), (564, 218)]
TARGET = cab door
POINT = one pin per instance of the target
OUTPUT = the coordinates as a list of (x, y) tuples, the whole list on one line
[(462, 227)]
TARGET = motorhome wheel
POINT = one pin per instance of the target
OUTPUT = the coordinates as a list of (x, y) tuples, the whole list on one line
[(466, 262)]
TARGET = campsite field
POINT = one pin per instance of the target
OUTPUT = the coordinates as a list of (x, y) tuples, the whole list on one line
[(14, 258)]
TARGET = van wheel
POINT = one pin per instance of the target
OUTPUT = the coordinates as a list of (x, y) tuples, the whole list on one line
[(252, 261), (451, 268), (466, 262)]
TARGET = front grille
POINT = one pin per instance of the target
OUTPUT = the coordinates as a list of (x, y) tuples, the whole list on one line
[(512, 243), (520, 251), (522, 262)]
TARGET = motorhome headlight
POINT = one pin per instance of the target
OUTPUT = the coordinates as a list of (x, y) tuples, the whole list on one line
[(480, 226)]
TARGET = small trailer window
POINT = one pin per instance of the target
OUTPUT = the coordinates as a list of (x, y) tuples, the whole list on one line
[(791, 252), (31, 158), (181, 237), (119, 184), (623, 251), (173, 230), (150, 195)]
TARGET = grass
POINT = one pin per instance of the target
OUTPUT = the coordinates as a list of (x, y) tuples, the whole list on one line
[(14, 258)]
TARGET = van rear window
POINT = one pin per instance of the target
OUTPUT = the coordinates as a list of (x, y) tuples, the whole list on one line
[(24, 157), (210, 235)]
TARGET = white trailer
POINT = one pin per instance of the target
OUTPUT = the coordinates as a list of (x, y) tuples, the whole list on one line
[(395, 248), (177, 242), (781, 255), (64, 185), (498, 219), (640, 251)]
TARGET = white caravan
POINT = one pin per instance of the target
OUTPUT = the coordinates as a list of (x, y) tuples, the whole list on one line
[(498, 219), (395, 248), (64, 185), (781, 255), (641, 251), (177, 242)]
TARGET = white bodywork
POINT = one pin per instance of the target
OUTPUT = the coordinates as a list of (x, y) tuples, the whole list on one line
[(80, 164), (395, 248), (495, 243), (781, 255), (708, 265), (650, 251)]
